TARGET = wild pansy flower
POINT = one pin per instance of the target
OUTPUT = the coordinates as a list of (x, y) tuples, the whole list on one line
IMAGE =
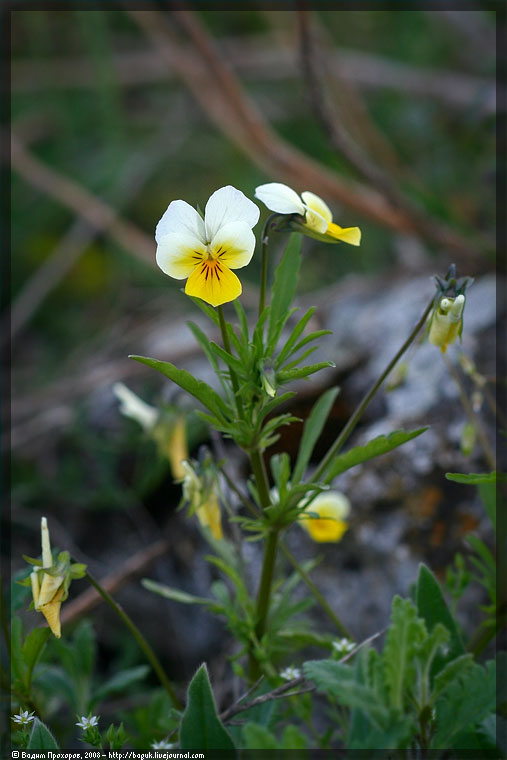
[(207, 250), (332, 508), (201, 492), (50, 580), (446, 321), (314, 217), (169, 431)]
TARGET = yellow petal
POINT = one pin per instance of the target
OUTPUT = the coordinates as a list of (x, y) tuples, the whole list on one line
[(177, 254), (350, 235), (51, 612), (214, 283), (317, 204), (210, 516), (177, 450), (325, 530), (48, 588)]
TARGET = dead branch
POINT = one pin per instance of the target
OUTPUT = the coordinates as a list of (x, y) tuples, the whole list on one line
[(286, 689), (136, 564), (257, 57), (87, 206)]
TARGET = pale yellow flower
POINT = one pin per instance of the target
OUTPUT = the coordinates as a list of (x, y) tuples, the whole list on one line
[(316, 214), (446, 322), (48, 590), (203, 500), (332, 509)]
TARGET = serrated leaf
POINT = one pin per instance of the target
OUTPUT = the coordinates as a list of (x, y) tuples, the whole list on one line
[(339, 681), (378, 446), (41, 737), (403, 638), (197, 388), (119, 682), (311, 431), (173, 593), (433, 609), (476, 478), (284, 286), (201, 728), (469, 698), (449, 672)]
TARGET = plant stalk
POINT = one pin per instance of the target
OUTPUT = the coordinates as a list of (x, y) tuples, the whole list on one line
[(315, 591), (268, 562), (136, 633), (264, 263), (354, 419), (227, 346)]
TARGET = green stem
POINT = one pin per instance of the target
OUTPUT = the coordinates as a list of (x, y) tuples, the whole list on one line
[(472, 416), (268, 562), (315, 591), (136, 633), (227, 346), (264, 263), (354, 419)]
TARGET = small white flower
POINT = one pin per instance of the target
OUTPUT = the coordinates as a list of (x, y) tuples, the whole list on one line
[(290, 673), (343, 646), (134, 407), (86, 723), (24, 718), (164, 744)]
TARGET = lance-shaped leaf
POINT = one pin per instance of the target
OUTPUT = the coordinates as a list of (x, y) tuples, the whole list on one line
[(311, 432), (41, 737), (284, 288), (197, 388), (476, 478), (374, 448), (285, 376), (201, 728)]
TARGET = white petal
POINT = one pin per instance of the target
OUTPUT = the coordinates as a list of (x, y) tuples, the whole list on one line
[(280, 198), (177, 255), (317, 204), (228, 205), (234, 245), (182, 219)]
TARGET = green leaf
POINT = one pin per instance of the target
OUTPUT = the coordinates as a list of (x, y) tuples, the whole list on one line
[(119, 682), (308, 339), (197, 388), (284, 287), (208, 310), (378, 446), (298, 329), (311, 431), (258, 737), (285, 376), (32, 648), (450, 672), (467, 700), (433, 609), (476, 478), (339, 681), (41, 737), (403, 638), (293, 738), (204, 343), (201, 728), (173, 593)]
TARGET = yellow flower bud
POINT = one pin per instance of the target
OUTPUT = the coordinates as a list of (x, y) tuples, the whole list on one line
[(203, 499), (332, 508), (446, 322), (48, 590)]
